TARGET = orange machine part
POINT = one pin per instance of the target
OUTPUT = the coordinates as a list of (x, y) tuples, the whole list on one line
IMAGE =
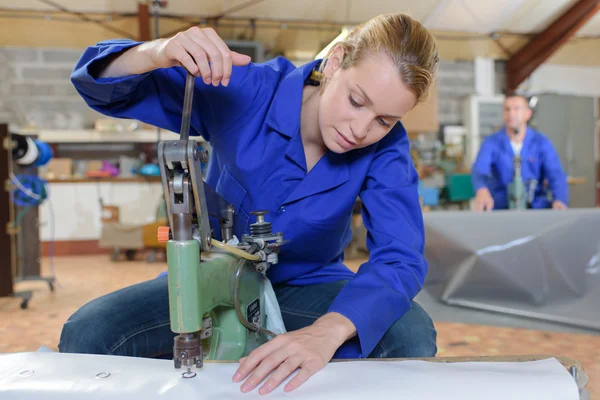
[(162, 234)]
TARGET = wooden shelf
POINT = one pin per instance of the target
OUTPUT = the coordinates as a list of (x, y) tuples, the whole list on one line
[(93, 136), (133, 179)]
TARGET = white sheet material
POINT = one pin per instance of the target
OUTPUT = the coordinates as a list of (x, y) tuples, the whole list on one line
[(25, 376), (274, 318)]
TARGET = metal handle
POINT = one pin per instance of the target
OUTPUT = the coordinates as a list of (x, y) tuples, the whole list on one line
[(188, 99)]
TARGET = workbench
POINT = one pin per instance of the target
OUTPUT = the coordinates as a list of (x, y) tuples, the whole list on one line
[(28, 376)]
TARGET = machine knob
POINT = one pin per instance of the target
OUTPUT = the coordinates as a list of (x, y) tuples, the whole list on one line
[(260, 215), (163, 234), (260, 227)]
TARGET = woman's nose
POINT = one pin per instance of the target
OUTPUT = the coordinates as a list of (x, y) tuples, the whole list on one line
[(360, 128)]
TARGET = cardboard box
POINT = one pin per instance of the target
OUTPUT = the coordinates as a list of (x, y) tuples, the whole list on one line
[(121, 236), (424, 117), (59, 168)]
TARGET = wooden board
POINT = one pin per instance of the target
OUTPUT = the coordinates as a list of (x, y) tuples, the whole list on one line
[(6, 279)]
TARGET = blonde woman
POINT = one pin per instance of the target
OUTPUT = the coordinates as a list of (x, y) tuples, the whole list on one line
[(303, 143)]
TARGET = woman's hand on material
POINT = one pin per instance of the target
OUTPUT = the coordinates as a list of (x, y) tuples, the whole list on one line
[(308, 349)]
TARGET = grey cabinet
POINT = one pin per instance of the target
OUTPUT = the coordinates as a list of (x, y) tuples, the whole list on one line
[(570, 122)]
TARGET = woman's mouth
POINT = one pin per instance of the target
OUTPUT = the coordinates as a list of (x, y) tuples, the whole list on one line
[(343, 142)]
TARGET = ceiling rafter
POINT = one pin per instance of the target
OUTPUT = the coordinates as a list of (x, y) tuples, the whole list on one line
[(528, 58)]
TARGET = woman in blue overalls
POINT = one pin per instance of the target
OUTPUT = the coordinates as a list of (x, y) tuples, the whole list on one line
[(303, 148)]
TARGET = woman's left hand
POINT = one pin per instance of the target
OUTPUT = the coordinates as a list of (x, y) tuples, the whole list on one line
[(309, 349)]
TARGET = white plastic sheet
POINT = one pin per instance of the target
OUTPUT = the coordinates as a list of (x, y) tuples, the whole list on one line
[(273, 312), (274, 318), (49, 376)]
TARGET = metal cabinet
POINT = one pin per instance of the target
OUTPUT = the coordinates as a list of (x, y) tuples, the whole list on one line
[(570, 123)]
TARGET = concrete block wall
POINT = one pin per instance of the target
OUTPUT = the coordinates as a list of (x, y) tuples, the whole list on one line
[(455, 81), (35, 89), (500, 75)]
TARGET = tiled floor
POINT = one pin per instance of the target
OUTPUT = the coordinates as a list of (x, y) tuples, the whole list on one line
[(81, 279)]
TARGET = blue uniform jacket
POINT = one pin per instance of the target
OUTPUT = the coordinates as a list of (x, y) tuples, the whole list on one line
[(494, 169), (258, 162)]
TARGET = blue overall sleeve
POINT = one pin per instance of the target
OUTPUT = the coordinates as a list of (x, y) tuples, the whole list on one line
[(553, 171), (482, 167), (156, 97), (384, 287)]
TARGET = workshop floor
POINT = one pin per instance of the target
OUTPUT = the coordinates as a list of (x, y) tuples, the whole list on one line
[(81, 279)]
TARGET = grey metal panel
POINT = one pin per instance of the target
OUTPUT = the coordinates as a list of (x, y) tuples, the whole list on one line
[(550, 119), (541, 264), (28, 238), (490, 118), (569, 123), (581, 157)]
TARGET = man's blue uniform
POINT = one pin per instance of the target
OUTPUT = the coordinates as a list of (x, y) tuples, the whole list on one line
[(494, 169)]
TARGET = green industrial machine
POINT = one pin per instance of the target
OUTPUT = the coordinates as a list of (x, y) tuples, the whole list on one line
[(517, 199), (216, 290), (520, 193)]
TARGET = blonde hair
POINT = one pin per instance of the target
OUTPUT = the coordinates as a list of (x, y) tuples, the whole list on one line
[(409, 45)]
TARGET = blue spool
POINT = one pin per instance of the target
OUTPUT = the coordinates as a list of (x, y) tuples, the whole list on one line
[(45, 155), (32, 185)]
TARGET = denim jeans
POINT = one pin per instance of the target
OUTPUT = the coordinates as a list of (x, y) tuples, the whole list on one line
[(134, 321)]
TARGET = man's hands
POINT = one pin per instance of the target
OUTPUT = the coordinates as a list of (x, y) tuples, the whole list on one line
[(559, 205), (483, 200), (309, 349)]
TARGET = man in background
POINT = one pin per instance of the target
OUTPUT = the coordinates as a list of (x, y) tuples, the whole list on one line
[(541, 171)]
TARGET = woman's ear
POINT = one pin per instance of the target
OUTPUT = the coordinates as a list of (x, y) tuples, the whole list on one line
[(334, 61)]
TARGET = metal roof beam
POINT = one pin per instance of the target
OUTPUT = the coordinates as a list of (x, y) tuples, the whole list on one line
[(143, 17), (542, 46)]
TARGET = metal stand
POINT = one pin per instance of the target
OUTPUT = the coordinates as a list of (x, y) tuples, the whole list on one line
[(20, 254)]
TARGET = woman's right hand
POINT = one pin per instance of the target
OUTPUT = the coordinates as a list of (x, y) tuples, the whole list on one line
[(202, 52)]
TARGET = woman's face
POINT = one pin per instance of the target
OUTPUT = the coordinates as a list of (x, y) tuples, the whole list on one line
[(361, 104)]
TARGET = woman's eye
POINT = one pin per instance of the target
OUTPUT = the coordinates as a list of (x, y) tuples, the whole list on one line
[(354, 102), (382, 122)]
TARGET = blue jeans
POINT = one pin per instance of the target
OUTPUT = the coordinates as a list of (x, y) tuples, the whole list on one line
[(134, 321)]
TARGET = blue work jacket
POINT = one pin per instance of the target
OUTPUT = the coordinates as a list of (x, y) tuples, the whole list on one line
[(494, 169), (258, 163)]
